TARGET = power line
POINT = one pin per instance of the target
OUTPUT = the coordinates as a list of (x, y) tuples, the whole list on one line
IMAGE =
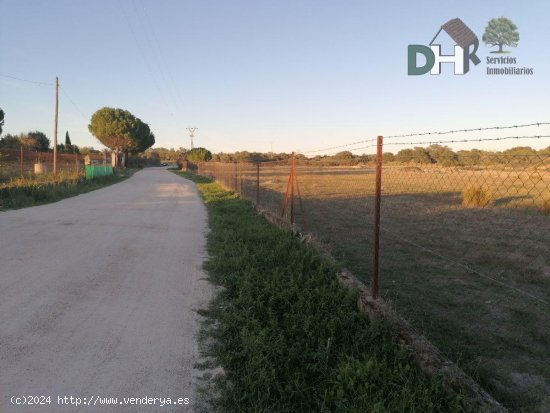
[(161, 61), (73, 103), (143, 56), (26, 80)]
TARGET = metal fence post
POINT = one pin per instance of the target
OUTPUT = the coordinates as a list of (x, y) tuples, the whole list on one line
[(292, 178), (258, 184), (289, 191), (21, 164), (241, 181), (377, 199), (236, 178)]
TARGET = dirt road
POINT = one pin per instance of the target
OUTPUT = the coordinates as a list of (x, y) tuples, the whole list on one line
[(98, 297)]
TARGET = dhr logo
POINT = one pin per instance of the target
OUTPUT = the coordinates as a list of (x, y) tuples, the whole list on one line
[(466, 46)]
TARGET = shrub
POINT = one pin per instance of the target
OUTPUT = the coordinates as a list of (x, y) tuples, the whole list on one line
[(476, 195)]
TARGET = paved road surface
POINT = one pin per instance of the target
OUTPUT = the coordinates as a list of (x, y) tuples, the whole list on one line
[(98, 295)]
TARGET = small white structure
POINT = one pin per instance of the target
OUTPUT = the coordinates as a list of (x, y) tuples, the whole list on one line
[(39, 168)]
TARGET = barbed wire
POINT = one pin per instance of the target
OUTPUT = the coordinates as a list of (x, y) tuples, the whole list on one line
[(526, 125), (453, 141), (26, 80), (466, 140), (479, 129), (340, 146)]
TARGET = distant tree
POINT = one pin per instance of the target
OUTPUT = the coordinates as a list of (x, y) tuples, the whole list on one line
[(501, 32), (388, 157), (199, 155), (67, 139), (520, 150), (364, 158), (519, 154), (120, 131), (469, 158), (257, 157), (28, 142), (43, 143), (224, 157), (10, 142), (85, 150), (421, 155), (242, 156), (1, 120), (443, 155), (404, 155), (154, 154), (344, 156)]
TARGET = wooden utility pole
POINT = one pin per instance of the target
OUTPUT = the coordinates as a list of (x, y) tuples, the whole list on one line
[(55, 126)]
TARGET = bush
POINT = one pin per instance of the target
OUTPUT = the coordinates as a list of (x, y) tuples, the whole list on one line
[(199, 155), (476, 195)]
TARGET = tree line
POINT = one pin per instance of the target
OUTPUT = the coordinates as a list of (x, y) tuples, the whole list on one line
[(33, 141), (117, 129), (433, 154), (125, 134), (36, 141)]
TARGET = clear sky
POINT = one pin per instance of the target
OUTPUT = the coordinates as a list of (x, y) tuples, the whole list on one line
[(259, 75)]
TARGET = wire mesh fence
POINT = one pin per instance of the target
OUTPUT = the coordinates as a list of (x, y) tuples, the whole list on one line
[(38, 166), (464, 247)]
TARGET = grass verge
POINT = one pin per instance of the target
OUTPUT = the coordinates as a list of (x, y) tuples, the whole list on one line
[(20, 194), (288, 337)]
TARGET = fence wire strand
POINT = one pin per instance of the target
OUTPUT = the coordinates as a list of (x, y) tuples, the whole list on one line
[(463, 239)]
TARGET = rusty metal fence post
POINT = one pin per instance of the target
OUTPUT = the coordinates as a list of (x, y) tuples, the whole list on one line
[(236, 178), (376, 235), (258, 184), (21, 164), (289, 193), (241, 192), (292, 178)]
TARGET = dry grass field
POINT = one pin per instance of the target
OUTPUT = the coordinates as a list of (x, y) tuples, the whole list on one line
[(474, 280)]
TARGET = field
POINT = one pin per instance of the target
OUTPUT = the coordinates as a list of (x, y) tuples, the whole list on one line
[(475, 281), (288, 337)]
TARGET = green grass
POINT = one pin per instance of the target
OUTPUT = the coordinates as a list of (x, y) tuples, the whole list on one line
[(288, 337), (32, 192), (495, 334)]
